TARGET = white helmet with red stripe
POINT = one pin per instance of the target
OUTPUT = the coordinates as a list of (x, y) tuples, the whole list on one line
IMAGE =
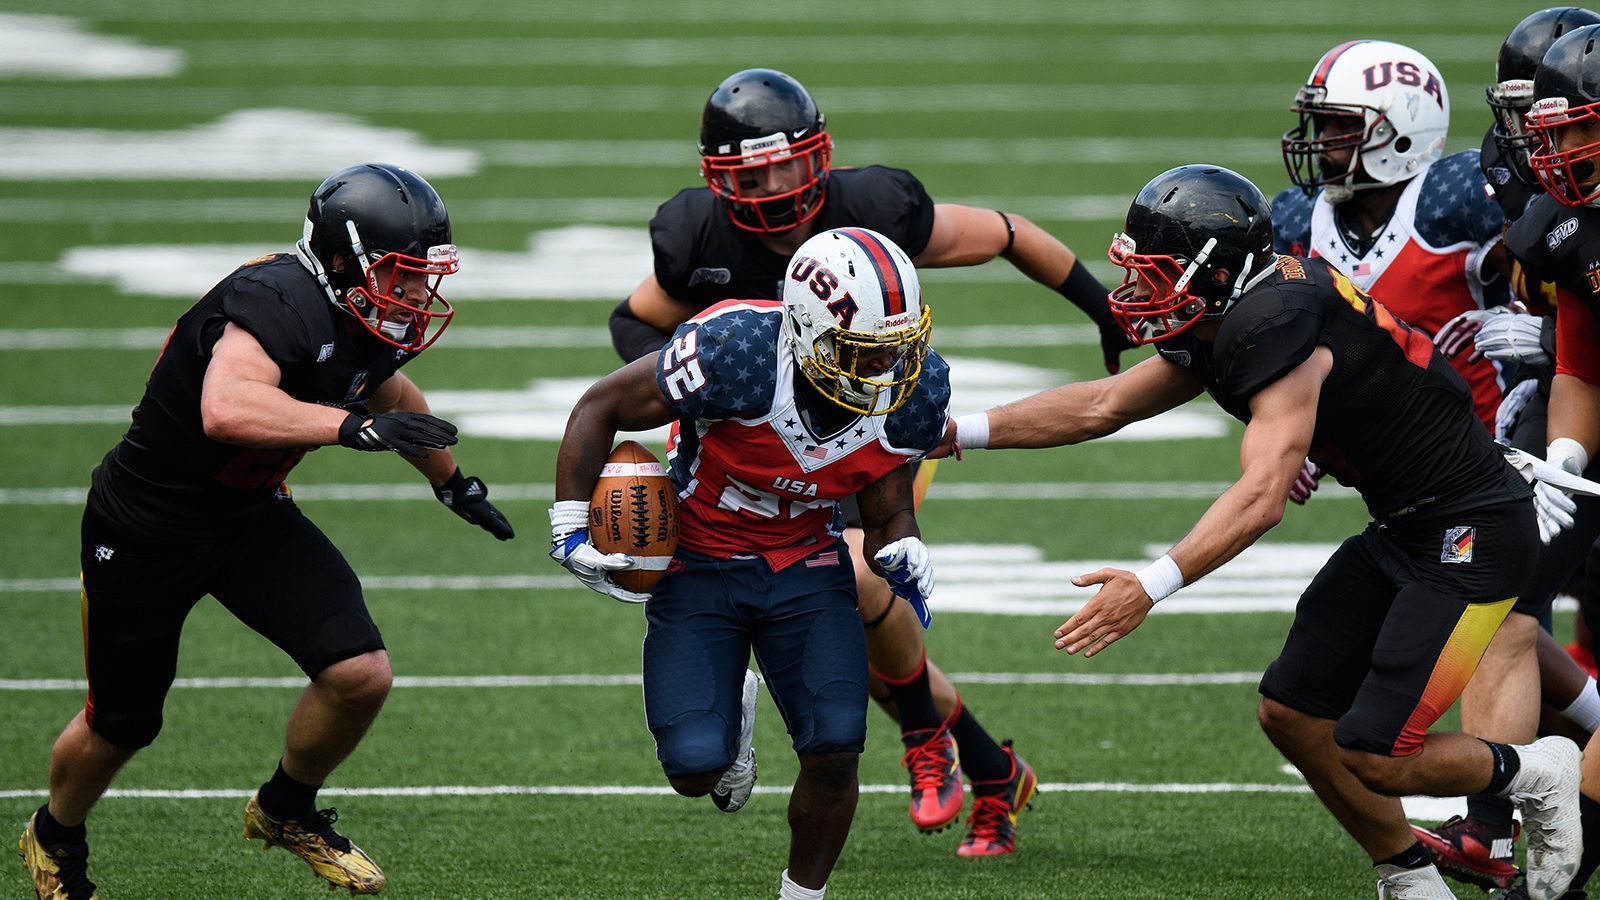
[(854, 318), (1383, 102)]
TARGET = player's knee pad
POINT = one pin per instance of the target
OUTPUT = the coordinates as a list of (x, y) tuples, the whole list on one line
[(129, 731), (838, 719), (694, 743)]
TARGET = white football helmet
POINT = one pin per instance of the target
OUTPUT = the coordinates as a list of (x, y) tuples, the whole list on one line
[(854, 319), (1403, 110)]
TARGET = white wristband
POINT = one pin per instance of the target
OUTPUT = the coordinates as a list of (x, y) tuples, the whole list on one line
[(1561, 450), (567, 516), (1160, 579), (972, 431)]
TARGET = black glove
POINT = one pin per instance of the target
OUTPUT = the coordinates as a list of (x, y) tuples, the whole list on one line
[(413, 434), (469, 499), (1113, 340), (1088, 294)]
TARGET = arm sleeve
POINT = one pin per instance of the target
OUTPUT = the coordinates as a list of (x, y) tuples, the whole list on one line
[(1269, 350), (1577, 339), (275, 323), (632, 337)]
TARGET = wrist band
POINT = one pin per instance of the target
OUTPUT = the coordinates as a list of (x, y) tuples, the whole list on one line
[(1560, 450), (567, 516), (1160, 579), (1011, 233), (972, 431)]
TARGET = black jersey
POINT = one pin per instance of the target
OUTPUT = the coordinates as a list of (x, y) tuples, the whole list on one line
[(1558, 244), (1394, 420), (702, 258), (1510, 191), (166, 476)]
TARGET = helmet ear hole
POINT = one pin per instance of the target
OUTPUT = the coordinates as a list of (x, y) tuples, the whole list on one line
[(1403, 144)]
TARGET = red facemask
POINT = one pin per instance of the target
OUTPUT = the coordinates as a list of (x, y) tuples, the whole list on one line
[(1167, 309), (772, 213), (1563, 172), (410, 323)]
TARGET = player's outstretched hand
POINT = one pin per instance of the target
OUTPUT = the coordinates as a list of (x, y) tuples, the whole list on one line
[(1112, 343), (1517, 339), (1458, 333), (1110, 615), (947, 444), (1555, 508), (570, 546), (410, 433), (468, 497), (1305, 483), (909, 570)]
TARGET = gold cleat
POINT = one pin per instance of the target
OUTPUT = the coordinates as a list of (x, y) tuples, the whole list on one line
[(330, 854), (61, 875)]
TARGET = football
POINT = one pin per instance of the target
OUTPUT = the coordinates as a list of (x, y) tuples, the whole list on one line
[(635, 511)]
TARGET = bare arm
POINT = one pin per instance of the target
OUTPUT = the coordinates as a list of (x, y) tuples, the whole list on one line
[(1283, 418), (888, 512), (652, 305), (241, 403), (626, 400), (401, 394), (1074, 413), (1575, 411), (967, 236)]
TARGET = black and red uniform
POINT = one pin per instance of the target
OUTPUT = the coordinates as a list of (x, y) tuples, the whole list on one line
[(1389, 631), (174, 515)]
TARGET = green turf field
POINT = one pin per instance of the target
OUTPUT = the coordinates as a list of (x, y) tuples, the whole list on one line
[(542, 117)]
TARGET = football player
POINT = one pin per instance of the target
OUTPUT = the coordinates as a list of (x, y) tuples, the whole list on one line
[(1479, 847), (765, 154), (1389, 631), (1558, 239), (291, 352), (780, 411)]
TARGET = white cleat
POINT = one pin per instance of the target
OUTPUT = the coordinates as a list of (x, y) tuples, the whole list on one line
[(1397, 883), (1546, 788), (733, 789)]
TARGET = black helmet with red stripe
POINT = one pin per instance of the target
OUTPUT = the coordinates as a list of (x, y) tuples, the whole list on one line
[(854, 319), (764, 150)]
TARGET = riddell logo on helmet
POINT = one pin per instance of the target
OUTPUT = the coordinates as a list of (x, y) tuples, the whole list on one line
[(897, 321)]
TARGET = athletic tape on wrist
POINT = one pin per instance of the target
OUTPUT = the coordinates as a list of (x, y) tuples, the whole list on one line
[(972, 431), (1161, 578)]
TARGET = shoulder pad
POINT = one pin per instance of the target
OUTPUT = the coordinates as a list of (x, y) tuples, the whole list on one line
[(1455, 205), (1291, 222), (919, 424), (723, 363)]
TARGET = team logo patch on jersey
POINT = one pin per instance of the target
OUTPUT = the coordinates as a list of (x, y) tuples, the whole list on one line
[(1181, 357), (326, 353), (1498, 174), (102, 553), (709, 275), (1458, 544), (830, 558), (1560, 233)]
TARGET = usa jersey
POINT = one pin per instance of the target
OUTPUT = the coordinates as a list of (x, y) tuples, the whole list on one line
[(750, 474), (1427, 265)]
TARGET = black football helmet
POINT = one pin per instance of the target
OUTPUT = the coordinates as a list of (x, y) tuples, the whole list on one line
[(1511, 95), (764, 149), (1566, 91), (1195, 238), (378, 221)]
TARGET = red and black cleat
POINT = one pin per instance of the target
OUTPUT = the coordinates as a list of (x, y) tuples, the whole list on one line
[(992, 827), (1470, 851), (936, 790)]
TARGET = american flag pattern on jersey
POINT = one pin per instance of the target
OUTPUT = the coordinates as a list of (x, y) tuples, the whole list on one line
[(751, 476), (1426, 265)]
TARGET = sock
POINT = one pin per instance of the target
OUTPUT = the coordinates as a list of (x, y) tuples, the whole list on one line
[(1413, 857), (1492, 812), (285, 798), (791, 891), (1589, 813), (914, 699), (1584, 711), (53, 834), (1506, 766), (981, 758)]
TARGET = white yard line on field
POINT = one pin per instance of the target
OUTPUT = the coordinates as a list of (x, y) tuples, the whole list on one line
[(1133, 679)]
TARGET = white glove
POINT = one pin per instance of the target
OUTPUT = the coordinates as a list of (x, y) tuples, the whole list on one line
[(1511, 405), (1305, 484), (1513, 338), (570, 546), (1456, 334), (909, 570), (1554, 506)]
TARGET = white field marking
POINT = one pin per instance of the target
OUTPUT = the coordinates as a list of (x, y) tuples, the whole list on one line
[(625, 790), (247, 145), (58, 47), (785, 50), (633, 211), (131, 99), (1422, 810), (1157, 679), (588, 337), (979, 491)]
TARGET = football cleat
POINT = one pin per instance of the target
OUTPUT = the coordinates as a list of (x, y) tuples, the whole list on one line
[(1398, 883), (1546, 788), (330, 854), (992, 826), (1520, 892), (1464, 850), (733, 788), (59, 873), (936, 790)]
